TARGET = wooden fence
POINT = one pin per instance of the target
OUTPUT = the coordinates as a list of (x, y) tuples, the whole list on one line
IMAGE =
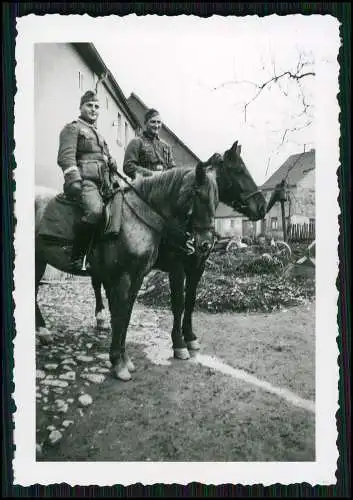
[(301, 233)]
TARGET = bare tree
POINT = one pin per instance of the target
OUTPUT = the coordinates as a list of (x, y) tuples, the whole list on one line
[(287, 83)]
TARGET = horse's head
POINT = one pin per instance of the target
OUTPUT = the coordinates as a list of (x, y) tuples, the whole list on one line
[(236, 185), (197, 203), (186, 198)]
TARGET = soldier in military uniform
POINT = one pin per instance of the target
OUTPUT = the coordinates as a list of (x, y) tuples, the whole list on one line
[(89, 171), (148, 153)]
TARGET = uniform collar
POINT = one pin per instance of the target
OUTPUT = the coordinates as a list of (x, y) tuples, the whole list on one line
[(150, 136), (92, 125)]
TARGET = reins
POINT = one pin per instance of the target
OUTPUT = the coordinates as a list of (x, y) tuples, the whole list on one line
[(188, 249)]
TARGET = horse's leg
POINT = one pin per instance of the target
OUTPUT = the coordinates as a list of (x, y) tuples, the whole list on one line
[(134, 289), (193, 277), (121, 296), (176, 282), (42, 332), (99, 311)]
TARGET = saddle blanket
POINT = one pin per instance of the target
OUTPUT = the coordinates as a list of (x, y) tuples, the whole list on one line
[(61, 215)]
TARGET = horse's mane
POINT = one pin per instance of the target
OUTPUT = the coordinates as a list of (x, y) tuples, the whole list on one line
[(168, 184)]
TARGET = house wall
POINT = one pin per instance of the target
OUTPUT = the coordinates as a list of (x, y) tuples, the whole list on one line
[(299, 209), (60, 78), (181, 155), (303, 201), (229, 226)]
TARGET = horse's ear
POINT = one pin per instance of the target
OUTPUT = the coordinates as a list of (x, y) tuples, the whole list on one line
[(232, 151), (235, 149), (200, 174)]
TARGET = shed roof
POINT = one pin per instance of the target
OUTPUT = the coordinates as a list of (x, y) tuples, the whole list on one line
[(223, 212), (297, 166)]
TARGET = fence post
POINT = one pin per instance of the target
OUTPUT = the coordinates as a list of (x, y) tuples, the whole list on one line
[(283, 221)]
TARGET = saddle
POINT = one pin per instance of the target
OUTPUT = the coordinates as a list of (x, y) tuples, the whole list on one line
[(62, 214)]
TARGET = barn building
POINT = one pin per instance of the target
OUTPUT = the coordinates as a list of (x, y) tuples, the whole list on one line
[(299, 172)]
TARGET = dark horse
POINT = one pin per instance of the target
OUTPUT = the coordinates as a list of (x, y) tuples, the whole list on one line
[(182, 198), (238, 190)]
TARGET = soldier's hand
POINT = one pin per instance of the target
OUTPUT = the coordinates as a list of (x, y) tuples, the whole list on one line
[(112, 164), (73, 190)]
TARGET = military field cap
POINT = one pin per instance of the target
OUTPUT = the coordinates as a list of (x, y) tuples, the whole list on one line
[(150, 113), (88, 96)]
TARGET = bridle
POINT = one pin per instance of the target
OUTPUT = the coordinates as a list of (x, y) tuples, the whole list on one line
[(192, 228), (217, 159), (242, 205), (189, 233)]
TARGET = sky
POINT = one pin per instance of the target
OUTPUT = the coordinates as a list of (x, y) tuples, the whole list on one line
[(179, 65)]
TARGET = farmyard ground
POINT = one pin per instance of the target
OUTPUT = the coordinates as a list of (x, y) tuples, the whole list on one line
[(175, 410)]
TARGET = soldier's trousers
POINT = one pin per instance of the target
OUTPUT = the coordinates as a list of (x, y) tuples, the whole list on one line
[(91, 202)]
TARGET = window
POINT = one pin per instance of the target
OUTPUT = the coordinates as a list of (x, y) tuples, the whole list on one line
[(81, 81), (107, 102), (274, 223), (118, 138), (232, 223), (126, 134)]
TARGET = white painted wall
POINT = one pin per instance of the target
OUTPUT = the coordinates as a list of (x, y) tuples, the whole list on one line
[(229, 226), (57, 97)]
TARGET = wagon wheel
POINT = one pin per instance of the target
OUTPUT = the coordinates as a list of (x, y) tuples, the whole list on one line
[(232, 245), (283, 249)]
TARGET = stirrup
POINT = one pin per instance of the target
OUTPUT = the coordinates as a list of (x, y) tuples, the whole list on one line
[(84, 263), (86, 267)]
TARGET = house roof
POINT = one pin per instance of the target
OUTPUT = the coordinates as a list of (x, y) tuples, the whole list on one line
[(297, 166), (91, 56), (223, 211), (135, 97)]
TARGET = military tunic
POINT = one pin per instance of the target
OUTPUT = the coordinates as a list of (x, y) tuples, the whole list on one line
[(84, 156), (146, 154)]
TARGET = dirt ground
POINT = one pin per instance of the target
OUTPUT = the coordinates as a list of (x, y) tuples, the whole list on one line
[(173, 410)]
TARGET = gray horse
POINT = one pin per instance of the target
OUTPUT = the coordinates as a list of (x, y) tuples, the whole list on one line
[(183, 198)]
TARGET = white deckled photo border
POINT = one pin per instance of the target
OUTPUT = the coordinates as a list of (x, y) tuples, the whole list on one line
[(33, 29)]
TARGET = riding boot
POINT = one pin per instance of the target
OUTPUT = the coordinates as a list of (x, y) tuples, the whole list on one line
[(83, 235)]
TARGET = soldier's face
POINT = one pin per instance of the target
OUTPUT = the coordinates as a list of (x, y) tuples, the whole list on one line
[(90, 111), (153, 125)]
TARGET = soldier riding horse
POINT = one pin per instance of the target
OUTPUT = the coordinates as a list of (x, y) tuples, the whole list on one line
[(180, 201), (236, 188)]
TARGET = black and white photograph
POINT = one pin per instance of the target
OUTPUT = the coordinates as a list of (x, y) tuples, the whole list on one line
[(176, 249)]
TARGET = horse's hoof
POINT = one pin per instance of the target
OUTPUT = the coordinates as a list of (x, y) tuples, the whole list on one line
[(193, 345), (44, 335), (101, 321), (129, 364), (122, 373), (181, 353)]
